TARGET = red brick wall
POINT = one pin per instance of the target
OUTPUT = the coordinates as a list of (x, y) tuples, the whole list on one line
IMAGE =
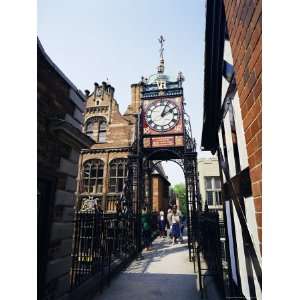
[(244, 22), (160, 191), (155, 194)]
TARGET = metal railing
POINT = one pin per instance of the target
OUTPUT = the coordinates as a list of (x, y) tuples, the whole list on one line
[(99, 240), (208, 247), (103, 242)]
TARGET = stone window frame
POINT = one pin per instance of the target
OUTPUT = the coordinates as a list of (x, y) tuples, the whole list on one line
[(96, 129), (89, 129), (90, 175), (117, 178), (102, 131)]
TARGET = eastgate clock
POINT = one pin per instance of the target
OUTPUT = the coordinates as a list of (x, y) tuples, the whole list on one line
[(162, 115)]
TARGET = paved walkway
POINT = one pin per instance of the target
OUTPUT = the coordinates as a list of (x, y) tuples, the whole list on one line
[(163, 273)]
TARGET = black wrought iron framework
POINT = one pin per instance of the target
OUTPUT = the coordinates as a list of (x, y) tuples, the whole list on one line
[(103, 243), (102, 240), (142, 162), (208, 251)]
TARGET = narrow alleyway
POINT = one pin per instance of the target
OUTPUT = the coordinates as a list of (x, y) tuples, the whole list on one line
[(163, 273)]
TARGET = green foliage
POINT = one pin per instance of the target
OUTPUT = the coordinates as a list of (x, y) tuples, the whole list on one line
[(179, 190)]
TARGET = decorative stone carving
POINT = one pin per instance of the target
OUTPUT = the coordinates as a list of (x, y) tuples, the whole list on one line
[(89, 204)]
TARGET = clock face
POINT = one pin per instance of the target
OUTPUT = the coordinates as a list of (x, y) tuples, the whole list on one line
[(162, 115)]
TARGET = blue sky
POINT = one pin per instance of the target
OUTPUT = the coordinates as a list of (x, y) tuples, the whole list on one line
[(94, 40)]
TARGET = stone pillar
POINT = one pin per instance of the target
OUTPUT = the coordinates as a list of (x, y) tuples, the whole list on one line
[(135, 97)]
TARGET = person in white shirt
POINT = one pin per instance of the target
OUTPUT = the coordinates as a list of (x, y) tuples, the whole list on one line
[(169, 221), (175, 219)]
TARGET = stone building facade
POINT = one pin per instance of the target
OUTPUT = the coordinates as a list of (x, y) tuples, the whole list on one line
[(60, 107), (103, 166), (232, 127)]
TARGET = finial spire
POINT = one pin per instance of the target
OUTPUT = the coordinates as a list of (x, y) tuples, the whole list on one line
[(161, 40), (161, 66)]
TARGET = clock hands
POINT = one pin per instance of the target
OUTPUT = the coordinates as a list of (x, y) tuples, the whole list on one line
[(164, 113)]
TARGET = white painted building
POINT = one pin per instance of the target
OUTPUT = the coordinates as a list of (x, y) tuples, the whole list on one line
[(209, 182)]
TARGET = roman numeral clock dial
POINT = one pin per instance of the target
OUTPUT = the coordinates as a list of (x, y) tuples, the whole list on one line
[(162, 115)]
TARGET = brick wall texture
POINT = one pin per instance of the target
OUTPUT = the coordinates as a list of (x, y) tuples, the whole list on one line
[(160, 194), (244, 23)]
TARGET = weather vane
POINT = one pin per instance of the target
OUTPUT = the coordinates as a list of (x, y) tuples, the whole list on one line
[(161, 40)]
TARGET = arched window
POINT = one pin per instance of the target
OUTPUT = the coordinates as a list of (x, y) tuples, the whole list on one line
[(117, 174), (95, 128), (102, 131), (89, 129), (93, 176)]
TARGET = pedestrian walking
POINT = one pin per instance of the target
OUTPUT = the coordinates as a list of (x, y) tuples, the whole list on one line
[(146, 228), (175, 219), (169, 221)]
